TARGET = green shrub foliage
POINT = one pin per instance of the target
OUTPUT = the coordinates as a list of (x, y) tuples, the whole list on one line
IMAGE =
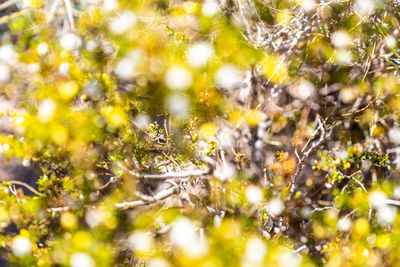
[(200, 133)]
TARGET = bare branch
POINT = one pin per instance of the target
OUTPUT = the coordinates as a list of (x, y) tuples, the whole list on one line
[(104, 186), (360, 184), (172, 175), (351, 177), (145, 200), (364, 108), (321, 209), (53, 10), (299, 249), (68, 7), (323, 137), (30, 188), (393, 202), (59, 209), (246, 23)]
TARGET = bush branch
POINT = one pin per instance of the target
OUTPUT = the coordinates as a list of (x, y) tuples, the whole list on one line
[(144, 201)]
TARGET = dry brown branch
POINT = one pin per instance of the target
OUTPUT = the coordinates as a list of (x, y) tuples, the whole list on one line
[(323, 137), (172, 175), (30, 188), (104, 186), (351, 177), (364, 108), (369, 62), (144, 201)]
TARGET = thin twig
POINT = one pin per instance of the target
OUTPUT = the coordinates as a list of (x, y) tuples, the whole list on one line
[(246, 23), (68, 7), (53, 10), (360, 184), (148, 200), (392, 202), (27, 186), (321, 209), (144, 200), (172, 175), (351, 177), (105, 185), (299, 249), (364, 108), (324, 136)]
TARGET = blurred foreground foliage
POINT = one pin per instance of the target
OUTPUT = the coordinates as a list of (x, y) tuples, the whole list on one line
[(201, 133)]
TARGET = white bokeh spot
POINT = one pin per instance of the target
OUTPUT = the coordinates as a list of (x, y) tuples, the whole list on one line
[(255, 250), (141, 241), (42, 48), (5, 73), (178, 78), (8, 54), (394, 135), (126, 68), (81, 259), (199, 54), (123, 22), (178, 105), (275, 206), (210, 8), (341, 39), (70, 41), (228, 76), (46, 110), (254, 194), (21, 246)]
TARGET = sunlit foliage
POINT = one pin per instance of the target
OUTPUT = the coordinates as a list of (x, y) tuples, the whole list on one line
[(200, 133)]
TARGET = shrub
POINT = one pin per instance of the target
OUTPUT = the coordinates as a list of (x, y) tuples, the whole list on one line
[(201, 133)]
